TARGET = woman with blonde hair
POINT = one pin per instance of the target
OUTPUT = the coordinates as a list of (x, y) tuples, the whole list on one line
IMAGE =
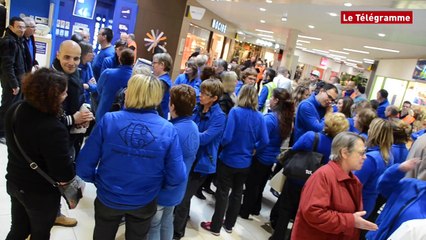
[(245, 132), (228, 99), (379, 157), (288, 201), (124, 157)]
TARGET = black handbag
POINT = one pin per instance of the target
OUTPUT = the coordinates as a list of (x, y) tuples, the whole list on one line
[(71, 191), (302, 164)]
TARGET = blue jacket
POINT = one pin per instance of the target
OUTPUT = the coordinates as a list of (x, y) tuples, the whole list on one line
[(189, 140), (381, 109), (352, 126), (400, 193), (210, 127), (129, 156), (245, 131), (374, 165), (165, 78), (99, 59), (309, 117), (86, 73), (195, 83), (238, 87), (306, 143), (111, 81), (399, 152), (268, 155), (110, 62)]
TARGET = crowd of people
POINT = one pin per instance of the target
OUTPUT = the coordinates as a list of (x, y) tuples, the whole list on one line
[(149, 143)]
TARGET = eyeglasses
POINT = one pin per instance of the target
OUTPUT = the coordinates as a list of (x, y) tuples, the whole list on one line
[(361, 153), (330, 97), (205, 94)]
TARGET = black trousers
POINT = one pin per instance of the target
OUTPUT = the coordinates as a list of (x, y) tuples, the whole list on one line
[(32, 213), (256, 182), (195, 180), (227, 178), (288, 203), (7, 100), (138, 221)]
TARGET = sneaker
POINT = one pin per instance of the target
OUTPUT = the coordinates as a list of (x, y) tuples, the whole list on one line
[(228, 230), (3, 140), (65, 221), (207, 226), (200, 195)]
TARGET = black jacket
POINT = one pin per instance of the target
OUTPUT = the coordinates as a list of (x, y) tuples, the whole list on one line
[(45, 140), (12, 59)]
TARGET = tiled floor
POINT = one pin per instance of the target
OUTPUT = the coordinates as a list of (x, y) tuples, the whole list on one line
[(200, 211)]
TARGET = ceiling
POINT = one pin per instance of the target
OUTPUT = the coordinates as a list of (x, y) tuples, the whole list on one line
[(408, 39)]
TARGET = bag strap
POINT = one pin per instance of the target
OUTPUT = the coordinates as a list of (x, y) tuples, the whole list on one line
[(33, 165), (315, 145)]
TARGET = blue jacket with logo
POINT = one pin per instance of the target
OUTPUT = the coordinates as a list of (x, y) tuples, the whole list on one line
[(374, 165), (189, 140), (245, 131), (309, 117), (408, 193), (210, 127), (268, 155), (130, 156)]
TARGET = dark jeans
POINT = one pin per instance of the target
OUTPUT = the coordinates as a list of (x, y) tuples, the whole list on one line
[(7, 100), (195, 181), (228, 177), (288, 203), (256, 181), (138, 221), (32, 213)]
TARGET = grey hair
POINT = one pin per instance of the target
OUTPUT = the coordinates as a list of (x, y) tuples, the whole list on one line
[(27, 20), (283, 70), (141, 69), (343, 140), (201, 60)]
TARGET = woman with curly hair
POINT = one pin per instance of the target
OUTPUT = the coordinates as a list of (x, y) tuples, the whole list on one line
[(44, 138)]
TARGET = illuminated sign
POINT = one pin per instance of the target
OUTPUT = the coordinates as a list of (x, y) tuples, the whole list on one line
[(219, 26)]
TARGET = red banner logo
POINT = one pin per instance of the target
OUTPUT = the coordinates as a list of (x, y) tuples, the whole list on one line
[(376, 17)]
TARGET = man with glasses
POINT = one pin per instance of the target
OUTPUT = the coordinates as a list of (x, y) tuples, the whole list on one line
[(12, 67), (105, 36), (310, 112), (29, 43)]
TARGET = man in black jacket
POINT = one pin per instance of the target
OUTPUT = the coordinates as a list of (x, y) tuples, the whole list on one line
[(12, 67)]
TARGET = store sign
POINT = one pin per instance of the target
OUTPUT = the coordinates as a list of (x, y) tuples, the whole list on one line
[(219, 26), (196, 13)]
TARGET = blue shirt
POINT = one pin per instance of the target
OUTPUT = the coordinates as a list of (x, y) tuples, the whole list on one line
[(268, 155), (238, 87), (309, 117), (382, 108), (165, 78), (189, 140), (99, 59), (306, 143), (86, 73), (112, 80), (245, 131), (195, 83)]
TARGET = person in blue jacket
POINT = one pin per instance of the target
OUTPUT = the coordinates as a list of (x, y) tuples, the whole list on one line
[(382, 98), (268, 86), (401, 135), (244, 133), (182, 102), (288, 202), (86, 72), (379, 157), (310, 112), (190, 77), (104, 38), (406, 199), (248, 77), (362, 121), (161, 66), (279, 124), (130, 156), (211, 123), (112, 80), (112, 61)]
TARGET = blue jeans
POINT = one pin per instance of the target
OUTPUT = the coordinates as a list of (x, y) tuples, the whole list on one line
[(162, 224)]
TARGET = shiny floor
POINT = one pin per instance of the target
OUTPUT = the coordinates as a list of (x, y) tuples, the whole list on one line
[(253, 229)]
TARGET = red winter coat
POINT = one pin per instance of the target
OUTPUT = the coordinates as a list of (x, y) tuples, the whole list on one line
[(328, 201)]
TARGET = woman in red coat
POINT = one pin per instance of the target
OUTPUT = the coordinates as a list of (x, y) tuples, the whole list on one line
[(331, 202)]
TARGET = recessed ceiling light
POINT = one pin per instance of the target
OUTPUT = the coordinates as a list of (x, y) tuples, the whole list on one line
[(265, 31), (336, 56), (381, 35), (382, 49), (311, 26), (308, 37), (262, 21), (368, 60), (269, 39), (269, 1), (264, 35), (303, 41), (347, 4), (262, 9), (354, 61), (333, 14), (354, 50), (335, 51)]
